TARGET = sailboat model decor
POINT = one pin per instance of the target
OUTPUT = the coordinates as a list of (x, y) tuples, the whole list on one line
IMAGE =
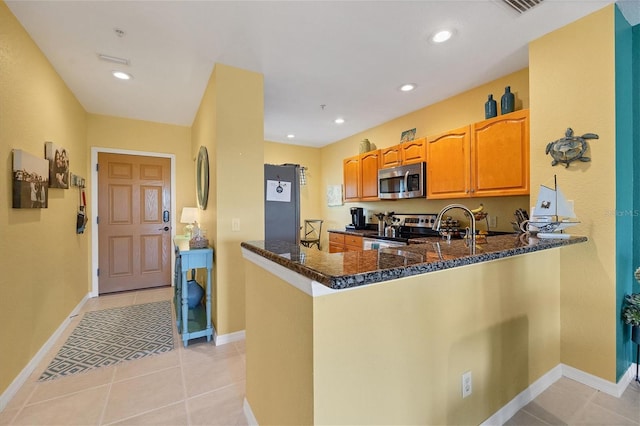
[(551, 214)]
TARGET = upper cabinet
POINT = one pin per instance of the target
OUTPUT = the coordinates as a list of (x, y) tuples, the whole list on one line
[(486, 159), (361, 176), (449, 166), (404, 153)]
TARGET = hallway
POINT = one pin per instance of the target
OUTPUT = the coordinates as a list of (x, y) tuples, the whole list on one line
[(199, 384)]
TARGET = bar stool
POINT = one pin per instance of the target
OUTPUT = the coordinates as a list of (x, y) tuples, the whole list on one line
[(312, 231)]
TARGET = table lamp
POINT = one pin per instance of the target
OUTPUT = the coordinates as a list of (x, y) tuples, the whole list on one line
[(189, 216)]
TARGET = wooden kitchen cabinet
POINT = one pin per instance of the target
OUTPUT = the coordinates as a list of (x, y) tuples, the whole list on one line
[(500, 155), (486, 159), (361, 177), (390, 157), (404, 153), (351, 174), (339, 242), (449, 167)]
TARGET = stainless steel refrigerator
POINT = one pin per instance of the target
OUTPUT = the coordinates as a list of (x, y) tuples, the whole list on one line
[(282, 202)]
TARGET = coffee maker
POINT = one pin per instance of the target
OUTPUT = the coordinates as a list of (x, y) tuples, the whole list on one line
[(358, 219)]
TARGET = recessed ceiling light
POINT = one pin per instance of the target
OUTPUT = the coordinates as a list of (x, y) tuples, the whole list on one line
[(121, 75), (339, 120), (442, 36), (407, 87), (291, 136)]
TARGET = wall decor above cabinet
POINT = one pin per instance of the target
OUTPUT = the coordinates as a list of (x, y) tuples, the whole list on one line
[(485, 159)]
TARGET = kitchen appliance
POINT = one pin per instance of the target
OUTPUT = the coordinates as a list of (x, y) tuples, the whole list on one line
[(402, 182), (282, 202), (379, 243), (358, 218), (410, 225), (417, 225)]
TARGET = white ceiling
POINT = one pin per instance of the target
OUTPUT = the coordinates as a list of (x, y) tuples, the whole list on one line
[(348, 55)]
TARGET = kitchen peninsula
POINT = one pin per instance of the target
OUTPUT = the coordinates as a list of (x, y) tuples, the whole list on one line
[(383, 336)]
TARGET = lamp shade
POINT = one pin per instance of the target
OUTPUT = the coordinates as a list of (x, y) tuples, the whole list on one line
[(189, 215)]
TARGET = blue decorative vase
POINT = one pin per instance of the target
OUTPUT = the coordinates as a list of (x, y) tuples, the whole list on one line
[(507, 103), (194, 293), (490, 108)]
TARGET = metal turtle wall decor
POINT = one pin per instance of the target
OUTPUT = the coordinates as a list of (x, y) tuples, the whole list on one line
[(570, 148)]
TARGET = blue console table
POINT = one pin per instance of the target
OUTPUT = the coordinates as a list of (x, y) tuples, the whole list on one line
[(195, 322)]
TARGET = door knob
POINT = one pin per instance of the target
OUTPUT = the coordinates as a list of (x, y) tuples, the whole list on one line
[(166, 228)]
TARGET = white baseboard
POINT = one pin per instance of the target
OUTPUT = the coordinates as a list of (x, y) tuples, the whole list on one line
[(223, 339), (248, 413), (561, 370), (21, 379), (613, 389), (524, 397)]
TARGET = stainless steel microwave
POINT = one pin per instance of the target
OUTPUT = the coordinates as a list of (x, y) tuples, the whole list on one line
[(402, 182)]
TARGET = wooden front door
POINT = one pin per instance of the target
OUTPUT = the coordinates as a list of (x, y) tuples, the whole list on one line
[(134, 224)]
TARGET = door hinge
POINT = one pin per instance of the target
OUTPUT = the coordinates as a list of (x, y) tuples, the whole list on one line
[(97, 220), (97, 167), (98, 272)]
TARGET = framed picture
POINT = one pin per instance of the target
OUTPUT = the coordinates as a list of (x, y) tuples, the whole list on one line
[(30, 181), (58, 158), (408, 135)]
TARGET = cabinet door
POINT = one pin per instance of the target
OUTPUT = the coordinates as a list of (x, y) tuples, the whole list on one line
[(500, 155), (413, 151), (369, 174), (351, 170), (336, 242), (390, 157), (352, 243), (448, 168)]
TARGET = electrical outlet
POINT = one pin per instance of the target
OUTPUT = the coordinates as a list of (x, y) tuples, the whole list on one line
[(466, 384), (493, 221), (235, 224)]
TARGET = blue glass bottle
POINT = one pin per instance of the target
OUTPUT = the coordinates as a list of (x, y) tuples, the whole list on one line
[(507, 102), (490, 108)]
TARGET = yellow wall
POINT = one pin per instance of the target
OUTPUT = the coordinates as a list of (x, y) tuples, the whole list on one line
[(136, 135), (230, 124), (394, 352), (572, 85), (280, 341), (312, 195), (457, 111), (44, 264)]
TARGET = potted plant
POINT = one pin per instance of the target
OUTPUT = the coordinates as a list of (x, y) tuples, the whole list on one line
[(631, 312)]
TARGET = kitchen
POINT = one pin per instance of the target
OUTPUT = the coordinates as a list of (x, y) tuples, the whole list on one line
[(590, 271), (558, 326)]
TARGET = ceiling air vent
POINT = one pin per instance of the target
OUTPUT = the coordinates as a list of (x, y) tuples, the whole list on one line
[(521, 6)]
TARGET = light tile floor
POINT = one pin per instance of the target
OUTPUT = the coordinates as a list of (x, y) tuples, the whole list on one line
[(201, 384), (204, 384)]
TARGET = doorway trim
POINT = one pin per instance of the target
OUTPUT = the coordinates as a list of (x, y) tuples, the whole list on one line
[(94, 206)]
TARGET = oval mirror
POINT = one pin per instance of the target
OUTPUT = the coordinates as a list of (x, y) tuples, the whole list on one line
[(202, 177)]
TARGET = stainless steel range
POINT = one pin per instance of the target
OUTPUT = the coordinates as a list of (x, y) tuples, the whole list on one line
[(417, 225), (410, 225)]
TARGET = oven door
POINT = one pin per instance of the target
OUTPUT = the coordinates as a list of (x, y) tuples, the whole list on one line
[(375, 244), (402, 182)]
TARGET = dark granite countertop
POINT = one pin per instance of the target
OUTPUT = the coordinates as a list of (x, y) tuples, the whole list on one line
[(351, 269)]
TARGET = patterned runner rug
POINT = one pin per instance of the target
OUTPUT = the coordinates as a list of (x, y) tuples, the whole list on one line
[(111, 336)]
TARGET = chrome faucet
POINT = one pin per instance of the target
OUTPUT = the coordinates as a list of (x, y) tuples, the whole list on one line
[(472, 222)]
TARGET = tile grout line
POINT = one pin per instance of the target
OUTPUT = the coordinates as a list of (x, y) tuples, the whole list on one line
[(180, 362), (106, 400)]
